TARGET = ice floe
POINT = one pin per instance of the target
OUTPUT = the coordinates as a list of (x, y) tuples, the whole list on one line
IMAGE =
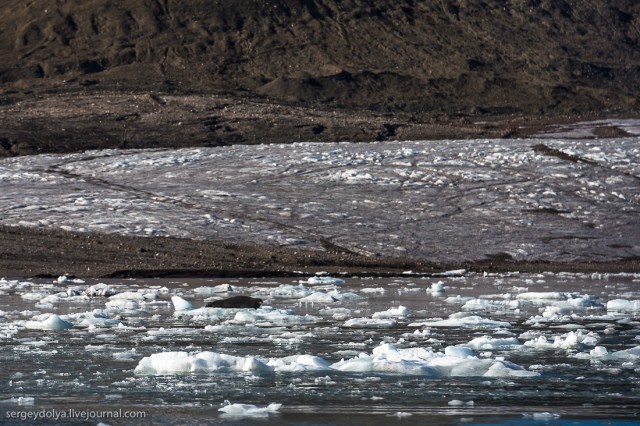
[(248, 410), (386, 358), (463, 320), (50, 322), (623, 305)]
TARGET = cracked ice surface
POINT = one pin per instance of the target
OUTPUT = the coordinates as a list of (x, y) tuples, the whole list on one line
[(439, 200)]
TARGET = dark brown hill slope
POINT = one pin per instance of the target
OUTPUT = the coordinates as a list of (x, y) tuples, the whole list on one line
[(452, 56)]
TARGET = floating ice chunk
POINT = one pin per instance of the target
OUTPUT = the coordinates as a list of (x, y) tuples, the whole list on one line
[(21, 400), (330, 297), (290, 291), (388, 359), (437, 287), (94, 318), (63, 279), (126, 355), (207, 291), (399, 312), (139, 297), (299, 363), (470, 321), (490, 343), (571, 340), (542, 296), (203, 362), (99, 290), (325, 280), (452, 273), (179, 304), (248, 410), (560, 299), (458, 299), (61, 297), (338, 314), (543, 416), (122, 304), (53, 323), (483, 305), (266, 316), (456, 361), (368, 290), (601, 353), (462, 352), (33, 296), (459, 403), (623, 305), (400, 414), (370, 323)]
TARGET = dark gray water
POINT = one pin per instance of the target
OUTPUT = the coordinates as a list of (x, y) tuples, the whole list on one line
[(555, 351)]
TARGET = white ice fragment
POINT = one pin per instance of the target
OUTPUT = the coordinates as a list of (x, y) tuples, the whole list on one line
[(203, 362), (99, 290), (325, 280), (122, 304), (459, 403), (248, 410), (399, 312), (370, 323), (452, 273), (400, 414), (179, 304), (437, 287), (207, 291), (135, 296), (52, 323), (623, 305), (542, 296), (543, 416), (63, 279), (488, 342), (21, 400), (470, 321)]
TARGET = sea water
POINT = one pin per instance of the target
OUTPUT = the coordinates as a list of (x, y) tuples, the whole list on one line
[(462, 348)]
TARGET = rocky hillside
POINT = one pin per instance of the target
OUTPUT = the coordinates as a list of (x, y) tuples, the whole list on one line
[(445, 56)]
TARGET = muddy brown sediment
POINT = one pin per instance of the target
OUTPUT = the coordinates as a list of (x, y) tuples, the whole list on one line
[(49, 253)]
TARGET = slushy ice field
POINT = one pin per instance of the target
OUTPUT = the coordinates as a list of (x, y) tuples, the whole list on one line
[(554, 198), (459, 348)]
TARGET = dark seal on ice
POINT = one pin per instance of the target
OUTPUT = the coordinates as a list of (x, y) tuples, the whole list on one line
[(236, 302)]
